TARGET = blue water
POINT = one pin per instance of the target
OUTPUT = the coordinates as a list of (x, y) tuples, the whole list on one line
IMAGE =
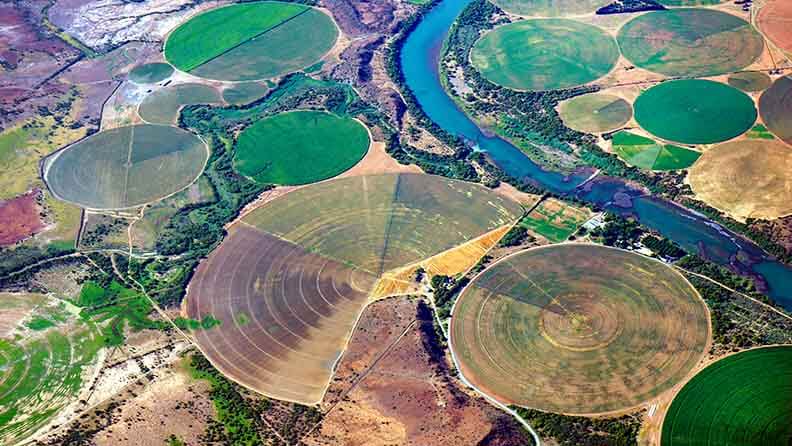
[(419, 62)]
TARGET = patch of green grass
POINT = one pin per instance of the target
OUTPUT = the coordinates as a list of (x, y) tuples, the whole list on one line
[(39, 323), (554, 220), (115, 307), (759, 132), (595, 112), (206, 323), (647, 154), (300, 147)]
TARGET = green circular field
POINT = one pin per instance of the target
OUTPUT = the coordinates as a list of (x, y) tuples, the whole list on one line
[(150, 73), (695, 111), (750, 81), (126, 167), (544, 54), (551, 8), (690, 42), (595, 112), (775, 106), (251, 41), (578, 329), (743, 399), (300, 147)]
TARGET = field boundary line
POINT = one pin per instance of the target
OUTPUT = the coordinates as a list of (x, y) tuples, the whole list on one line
[(228, 50)]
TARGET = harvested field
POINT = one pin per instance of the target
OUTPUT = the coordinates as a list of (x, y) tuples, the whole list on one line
[(578, 329), (126, 167), (775, 107), (690, 42), (150, 73), (746, 178), (407, 396), (695, 111), (773, 20), (750, 81), (551, 8), (293, 276), (595, 113), (555, 220), (163, 106), (20, 218), (648, 154), (258, 41), (743, 399), (300, 147), (544, 54)]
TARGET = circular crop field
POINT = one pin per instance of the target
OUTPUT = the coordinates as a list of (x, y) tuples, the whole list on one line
[(551, 8), (695, 111), (775, 106), (300, 147), (774, 19), (747, 178), (690, 42), (150, 73), (741, 400), (126, 166), (163, 106), (595, 113), (578, 329), (544, 54), (750, 81), (251, 41)]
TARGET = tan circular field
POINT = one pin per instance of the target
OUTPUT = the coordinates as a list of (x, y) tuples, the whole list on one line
[(774, 21), (578, 329), (746, 178)]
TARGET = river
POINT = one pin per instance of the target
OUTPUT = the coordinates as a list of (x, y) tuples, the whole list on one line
[(420, 65)]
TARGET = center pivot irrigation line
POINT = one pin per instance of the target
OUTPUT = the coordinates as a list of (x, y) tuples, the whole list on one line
[(228, 50)]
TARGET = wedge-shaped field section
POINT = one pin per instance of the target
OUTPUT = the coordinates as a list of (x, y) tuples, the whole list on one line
[(126, 167), (580, 329), (293, 276), (251, 41)]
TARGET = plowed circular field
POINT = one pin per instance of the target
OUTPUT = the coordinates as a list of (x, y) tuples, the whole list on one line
[(741, 400), (690, 42), (695, 111), (544, 54), (291, 278), (774, 19), (748, 178), (578, 329), (775, 107), (595, 113), (126, 167)]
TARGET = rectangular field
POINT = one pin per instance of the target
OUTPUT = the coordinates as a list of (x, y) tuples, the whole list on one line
[(555, 220)]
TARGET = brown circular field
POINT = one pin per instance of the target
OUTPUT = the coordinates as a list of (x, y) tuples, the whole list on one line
[(748, 178), (580, 329), (774, 21), (775, 108)]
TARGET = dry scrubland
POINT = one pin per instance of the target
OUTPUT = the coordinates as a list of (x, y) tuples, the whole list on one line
[(578, 329), (293, 276)]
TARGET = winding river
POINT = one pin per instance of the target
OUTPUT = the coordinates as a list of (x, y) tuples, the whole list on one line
[(420, 65)]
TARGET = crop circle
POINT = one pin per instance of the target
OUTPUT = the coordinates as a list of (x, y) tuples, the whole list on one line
[(746, 178), (576, 328), (544, 54), (595, 113), (690, 42), (251, 41), (743, 399), (695, 111), (775, 106), (126, 167), (551, 8), (300, 147)]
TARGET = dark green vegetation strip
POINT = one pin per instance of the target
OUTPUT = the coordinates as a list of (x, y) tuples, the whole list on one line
[(651, 155), (775, 106), (300, 147), (551, 8), (126, 166), (162, 106), (744, 399), (544, 54), (583, 431), (690, 42), (695, 111), (150, 73), (595, 113), (210, 34)]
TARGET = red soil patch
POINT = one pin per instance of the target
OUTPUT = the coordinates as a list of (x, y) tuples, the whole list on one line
[(19, 218), (775, 21)]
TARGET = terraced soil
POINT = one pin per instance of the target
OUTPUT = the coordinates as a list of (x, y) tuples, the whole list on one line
[(579, 329)]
